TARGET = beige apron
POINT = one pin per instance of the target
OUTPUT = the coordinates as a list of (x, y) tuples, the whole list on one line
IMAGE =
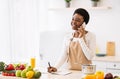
[(76, 56)]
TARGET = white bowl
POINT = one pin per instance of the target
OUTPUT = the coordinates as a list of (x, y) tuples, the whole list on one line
[(88, 69)]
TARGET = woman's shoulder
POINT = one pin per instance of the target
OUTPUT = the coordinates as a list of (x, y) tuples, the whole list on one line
[(90, 35)]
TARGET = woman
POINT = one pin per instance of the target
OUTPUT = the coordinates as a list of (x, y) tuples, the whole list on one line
[(80, 45)]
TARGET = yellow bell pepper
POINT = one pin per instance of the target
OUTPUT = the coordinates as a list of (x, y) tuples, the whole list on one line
[(99, 75), (90, 76)]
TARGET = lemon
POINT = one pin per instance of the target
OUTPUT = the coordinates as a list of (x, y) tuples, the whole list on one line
[(30, 74)]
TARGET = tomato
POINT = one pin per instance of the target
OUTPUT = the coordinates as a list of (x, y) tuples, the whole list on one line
[(22, 67), (6, 74), (9, 67), (3, 73), (12, 74)]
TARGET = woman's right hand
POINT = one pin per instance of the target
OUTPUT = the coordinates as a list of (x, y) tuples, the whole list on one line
[(52, 69), (79, 33)]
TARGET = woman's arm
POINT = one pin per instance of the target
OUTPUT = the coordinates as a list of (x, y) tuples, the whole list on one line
[(89, 47), (61, 60), (64, 54)]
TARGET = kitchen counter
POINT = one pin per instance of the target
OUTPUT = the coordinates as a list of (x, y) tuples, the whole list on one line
[(73, 75), (76, 74), (108, 64), (107, 59)]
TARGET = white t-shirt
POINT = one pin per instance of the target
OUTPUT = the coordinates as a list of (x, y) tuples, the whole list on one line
[(88, 46)]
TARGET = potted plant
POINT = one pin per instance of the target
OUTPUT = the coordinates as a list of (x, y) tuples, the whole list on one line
[(95, 3), (67, 3)]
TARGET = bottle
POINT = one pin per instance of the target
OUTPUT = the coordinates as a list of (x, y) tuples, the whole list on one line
[(97, 50), (33, 62)]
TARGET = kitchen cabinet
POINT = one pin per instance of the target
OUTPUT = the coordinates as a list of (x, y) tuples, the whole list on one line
[(107, 64)]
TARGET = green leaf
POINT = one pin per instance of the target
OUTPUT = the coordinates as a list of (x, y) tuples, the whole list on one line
[(95, 0), (67, 0)]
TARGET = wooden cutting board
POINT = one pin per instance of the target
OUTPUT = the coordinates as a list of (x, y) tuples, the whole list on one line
[(110, 48)]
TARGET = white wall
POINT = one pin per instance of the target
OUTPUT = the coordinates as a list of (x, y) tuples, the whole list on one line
[(104, 22), (5, 52), (22, 22), (24, 29), (19, 30)]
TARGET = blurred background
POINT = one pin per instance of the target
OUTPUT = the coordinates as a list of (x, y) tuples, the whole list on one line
[(36, 28)]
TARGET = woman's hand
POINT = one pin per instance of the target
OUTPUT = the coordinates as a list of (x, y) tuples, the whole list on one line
[(79, 33), (52, 69)]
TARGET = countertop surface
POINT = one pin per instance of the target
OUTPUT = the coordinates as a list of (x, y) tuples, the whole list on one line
[(72, 75), (107, 58)]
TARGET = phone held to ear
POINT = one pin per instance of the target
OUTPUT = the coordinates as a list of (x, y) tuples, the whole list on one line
[(82, 25)]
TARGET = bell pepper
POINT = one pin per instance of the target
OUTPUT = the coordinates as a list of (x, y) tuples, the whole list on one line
[(90, 76), (99, 75)]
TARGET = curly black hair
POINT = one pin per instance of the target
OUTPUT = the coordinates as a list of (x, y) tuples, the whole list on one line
[(83, 13)]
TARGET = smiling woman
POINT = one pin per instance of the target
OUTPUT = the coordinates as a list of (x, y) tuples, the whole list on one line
[(79, 45)]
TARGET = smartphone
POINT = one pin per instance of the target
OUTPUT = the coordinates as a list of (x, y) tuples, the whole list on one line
[(83, 24)]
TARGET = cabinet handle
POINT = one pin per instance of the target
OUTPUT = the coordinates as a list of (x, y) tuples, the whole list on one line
[(114, 65)]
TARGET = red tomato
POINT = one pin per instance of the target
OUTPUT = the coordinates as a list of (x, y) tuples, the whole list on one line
[(22, 67), (8, 74), (9, 67), (12, 74), (3, 73)]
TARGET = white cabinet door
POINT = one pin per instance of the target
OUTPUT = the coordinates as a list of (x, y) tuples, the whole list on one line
[(113, 67), (108, 67), (100, 65)]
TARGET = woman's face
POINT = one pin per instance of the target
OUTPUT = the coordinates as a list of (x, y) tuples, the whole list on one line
[(77, 21)]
